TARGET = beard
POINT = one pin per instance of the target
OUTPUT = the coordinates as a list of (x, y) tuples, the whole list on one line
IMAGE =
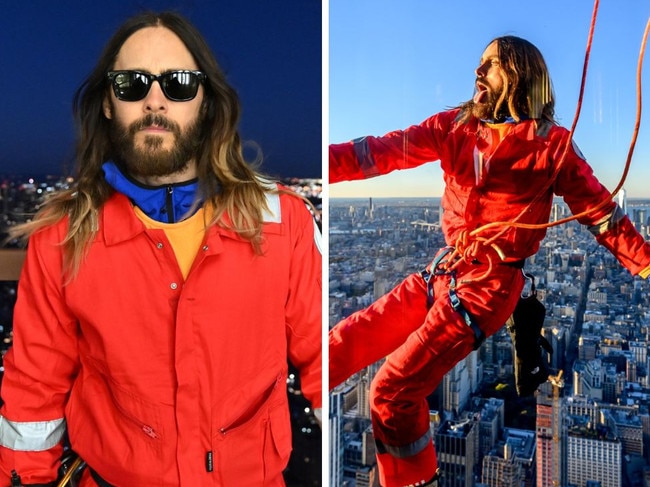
[(149, 158), (484, 109)]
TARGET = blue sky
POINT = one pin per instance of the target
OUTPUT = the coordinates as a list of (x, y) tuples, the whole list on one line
[(394, 63)]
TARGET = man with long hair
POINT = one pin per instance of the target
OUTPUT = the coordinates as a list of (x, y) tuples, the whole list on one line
[(162, 296), (503, 157)]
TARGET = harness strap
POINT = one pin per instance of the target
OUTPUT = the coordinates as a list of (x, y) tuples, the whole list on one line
[(479, 336), (436, 270)]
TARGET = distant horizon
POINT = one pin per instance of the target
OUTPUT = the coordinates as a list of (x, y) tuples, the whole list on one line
[(377, 198)]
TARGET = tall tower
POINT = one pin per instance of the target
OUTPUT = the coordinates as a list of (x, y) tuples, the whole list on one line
[(456, 387), (551, 414), (363, 388), (336, 400), (456, 448)]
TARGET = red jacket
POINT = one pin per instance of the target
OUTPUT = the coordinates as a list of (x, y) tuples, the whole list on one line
[(498, 187), (157, 377)]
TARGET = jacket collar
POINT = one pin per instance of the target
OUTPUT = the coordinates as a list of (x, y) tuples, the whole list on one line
[(168, 203), (524, 130), (117, 221)]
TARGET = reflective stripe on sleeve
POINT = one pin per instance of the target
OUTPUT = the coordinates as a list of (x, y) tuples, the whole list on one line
[(607, 222), (364, 157), (31, 436), (407, 450)]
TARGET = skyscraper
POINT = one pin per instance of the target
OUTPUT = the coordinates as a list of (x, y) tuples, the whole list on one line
[(500, 468), (550, 425), (593, 453), (338, 407), (456, 448)]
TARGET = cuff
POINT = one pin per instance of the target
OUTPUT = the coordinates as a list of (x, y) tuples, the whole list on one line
[(412, 470)]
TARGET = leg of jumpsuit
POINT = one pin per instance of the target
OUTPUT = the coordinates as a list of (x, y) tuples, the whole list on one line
[(369, 335), (399, 410)]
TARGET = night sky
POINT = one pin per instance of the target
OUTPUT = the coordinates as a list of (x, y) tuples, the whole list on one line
[(269, 50)]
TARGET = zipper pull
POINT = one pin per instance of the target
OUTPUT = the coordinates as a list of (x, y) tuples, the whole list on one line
[(209, 462), (149, 431), (169, 203)]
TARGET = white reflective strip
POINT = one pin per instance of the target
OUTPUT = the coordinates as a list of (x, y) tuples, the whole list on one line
[(273, 215), (607, 222), (407, 450), (33, 436)]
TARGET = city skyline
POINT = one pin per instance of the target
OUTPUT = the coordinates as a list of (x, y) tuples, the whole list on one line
[(597, 323)]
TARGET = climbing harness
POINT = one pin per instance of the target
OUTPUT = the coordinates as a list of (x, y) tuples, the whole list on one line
[(439, 267)]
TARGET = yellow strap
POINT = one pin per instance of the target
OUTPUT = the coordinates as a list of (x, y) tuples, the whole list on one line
[(645, 272), (70, 473)]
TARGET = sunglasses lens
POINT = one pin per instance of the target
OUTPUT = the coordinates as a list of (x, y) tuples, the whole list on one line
[(130, 86), (176, 85), (180, 85)]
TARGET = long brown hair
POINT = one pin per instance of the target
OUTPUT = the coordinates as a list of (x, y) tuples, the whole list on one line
[(225, 178), (530, 92)]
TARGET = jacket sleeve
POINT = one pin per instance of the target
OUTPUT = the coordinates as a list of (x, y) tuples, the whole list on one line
[(39, 368), (304, 303), (581, 190), (625, 243), (369, 156)]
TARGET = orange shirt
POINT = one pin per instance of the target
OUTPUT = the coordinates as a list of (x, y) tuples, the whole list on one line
[(185, 236)]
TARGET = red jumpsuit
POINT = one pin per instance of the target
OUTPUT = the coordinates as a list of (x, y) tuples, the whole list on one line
[(485, 181)]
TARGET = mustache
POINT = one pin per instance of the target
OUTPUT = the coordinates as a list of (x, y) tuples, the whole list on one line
[(151, 120)]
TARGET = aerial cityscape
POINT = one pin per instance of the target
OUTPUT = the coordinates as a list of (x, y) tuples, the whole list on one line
[(588, 427)]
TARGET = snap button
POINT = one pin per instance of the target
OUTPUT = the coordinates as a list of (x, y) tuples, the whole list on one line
[(173, 285)]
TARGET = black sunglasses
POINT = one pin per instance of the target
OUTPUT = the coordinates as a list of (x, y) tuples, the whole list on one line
[(179, 85)]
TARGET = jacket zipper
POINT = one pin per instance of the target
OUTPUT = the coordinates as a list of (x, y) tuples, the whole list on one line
[(169, 203), (145, 428), (242, 419), (245, 416)]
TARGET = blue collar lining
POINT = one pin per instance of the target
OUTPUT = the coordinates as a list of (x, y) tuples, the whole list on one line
[(169, 203)]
